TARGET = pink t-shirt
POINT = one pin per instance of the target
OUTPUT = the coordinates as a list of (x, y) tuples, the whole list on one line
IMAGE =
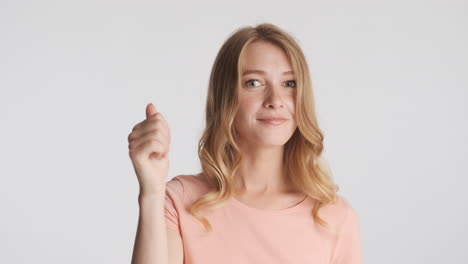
[(243, 234)]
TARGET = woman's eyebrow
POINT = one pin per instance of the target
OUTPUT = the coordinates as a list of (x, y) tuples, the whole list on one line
[(263, 73)]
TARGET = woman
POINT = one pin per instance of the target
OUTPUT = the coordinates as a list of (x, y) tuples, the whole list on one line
[(264, 194)]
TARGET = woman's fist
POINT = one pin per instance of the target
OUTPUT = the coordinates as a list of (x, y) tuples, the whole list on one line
[(148, 145)]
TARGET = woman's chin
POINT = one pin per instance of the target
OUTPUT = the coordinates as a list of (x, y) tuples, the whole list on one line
[(271, 142)]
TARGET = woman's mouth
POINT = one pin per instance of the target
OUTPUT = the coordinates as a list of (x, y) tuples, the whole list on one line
[(273, 121)]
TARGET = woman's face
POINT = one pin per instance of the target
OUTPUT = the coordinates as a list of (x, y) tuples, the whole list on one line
[(267, 89)]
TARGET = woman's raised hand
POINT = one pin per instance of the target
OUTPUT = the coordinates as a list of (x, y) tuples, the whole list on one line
[(148, 145)]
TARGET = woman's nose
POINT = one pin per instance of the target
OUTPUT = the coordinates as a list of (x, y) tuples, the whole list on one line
[(274, 98)]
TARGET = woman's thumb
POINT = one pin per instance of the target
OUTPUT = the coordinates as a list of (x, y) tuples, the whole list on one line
[(150, 110)]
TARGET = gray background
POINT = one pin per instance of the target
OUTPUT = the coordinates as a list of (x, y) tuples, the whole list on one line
[(390, 80)]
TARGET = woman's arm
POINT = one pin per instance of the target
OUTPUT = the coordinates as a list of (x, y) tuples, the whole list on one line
[(151, 237), (348, 247)]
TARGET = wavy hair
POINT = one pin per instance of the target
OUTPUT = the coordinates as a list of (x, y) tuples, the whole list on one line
[(218, 150)]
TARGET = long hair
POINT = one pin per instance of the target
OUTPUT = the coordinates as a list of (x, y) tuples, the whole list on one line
[(218, 149)]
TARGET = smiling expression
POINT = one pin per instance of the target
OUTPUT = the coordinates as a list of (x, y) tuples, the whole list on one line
[(266, 93)]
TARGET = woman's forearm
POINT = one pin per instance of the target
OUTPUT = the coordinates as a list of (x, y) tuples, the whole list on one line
[(151, 238)]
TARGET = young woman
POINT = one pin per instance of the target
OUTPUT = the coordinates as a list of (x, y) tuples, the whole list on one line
[(264, 194)]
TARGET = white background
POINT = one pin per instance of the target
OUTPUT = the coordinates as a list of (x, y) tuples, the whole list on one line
[(390, 80)]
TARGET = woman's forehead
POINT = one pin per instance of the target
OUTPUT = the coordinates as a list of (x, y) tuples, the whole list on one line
[(264, 62)]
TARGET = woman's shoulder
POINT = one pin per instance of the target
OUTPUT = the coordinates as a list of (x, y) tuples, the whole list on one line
[(189, 180), (188, 186), (339, 211), (341, 203)]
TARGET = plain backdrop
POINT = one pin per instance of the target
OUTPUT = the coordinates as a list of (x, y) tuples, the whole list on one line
[(389, 77)]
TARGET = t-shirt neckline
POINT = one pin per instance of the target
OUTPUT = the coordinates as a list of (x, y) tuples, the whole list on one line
[(237, 203), (287, 210)]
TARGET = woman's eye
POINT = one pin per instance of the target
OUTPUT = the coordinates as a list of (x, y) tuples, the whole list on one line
[(294, 83), (290, 83), (250, 81)]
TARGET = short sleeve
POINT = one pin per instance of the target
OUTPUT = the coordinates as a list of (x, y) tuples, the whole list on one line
[(348, 245), (173, 204)]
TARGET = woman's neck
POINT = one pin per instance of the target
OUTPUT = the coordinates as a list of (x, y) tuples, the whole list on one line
[(262, 171)]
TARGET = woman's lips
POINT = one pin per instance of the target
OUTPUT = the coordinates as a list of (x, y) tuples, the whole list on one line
[(273, 121)]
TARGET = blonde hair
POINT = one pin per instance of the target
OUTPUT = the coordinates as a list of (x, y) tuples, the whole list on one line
[(218, 150)]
